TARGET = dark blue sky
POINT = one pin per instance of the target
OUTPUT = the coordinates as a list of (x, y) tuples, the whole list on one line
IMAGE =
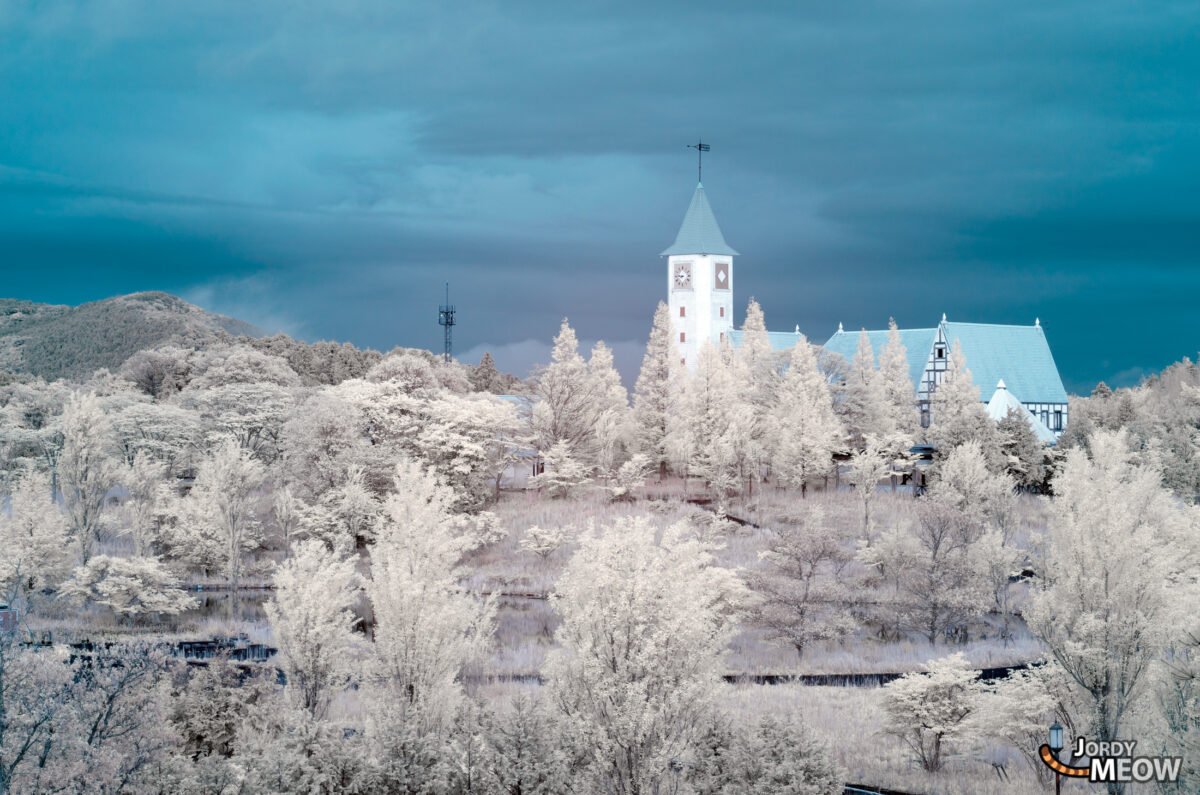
[(323, 172)]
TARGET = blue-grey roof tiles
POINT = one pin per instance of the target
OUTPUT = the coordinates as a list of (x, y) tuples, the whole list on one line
[(699, 233)]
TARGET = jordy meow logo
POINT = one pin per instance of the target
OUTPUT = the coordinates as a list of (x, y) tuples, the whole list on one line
[(1113, 761)]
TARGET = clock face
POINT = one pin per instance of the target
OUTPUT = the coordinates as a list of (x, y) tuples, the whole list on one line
[(721, 277), (683, 274)]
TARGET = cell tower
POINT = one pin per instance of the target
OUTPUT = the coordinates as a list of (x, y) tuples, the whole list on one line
[(446, 321)]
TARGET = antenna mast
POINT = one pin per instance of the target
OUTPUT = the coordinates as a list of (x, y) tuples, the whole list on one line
[(446, 321), (700, 148)]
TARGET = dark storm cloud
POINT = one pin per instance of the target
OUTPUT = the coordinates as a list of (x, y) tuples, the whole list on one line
[(326, 170)]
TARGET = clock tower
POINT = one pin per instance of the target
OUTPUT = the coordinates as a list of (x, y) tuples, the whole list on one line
[(700, 281)]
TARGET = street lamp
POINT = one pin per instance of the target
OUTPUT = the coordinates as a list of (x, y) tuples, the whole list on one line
[(1056, 745)]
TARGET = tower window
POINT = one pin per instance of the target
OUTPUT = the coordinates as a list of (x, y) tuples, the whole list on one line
[(683, 311), (683, 336), (722, 311)]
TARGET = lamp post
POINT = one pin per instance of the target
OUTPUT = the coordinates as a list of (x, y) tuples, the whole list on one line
[(1056, 745)]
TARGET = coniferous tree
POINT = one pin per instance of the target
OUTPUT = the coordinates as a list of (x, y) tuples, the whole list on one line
[(1024, 455), (566, 409), (757, 378), (806, 430), (899, 395), (611, 410), (957, 415), (653, 398), (863, 405), (486, 378), (710, 419)]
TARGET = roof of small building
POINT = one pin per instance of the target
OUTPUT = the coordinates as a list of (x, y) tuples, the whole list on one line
[(699, 233), (1003, 400), (918, 342)]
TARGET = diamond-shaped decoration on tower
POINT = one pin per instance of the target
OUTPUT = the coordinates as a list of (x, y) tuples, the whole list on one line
[(722, 276)]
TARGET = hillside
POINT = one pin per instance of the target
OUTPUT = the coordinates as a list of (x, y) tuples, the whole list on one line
[(56, 341)]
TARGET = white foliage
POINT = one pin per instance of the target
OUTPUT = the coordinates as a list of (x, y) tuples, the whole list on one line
[(931, 712), (1117, 579), (806, 429), (427, 628), (128, 586), (643, 627), (87, 468), (311, 617)]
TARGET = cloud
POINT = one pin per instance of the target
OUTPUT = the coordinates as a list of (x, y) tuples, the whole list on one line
[(327, 168)]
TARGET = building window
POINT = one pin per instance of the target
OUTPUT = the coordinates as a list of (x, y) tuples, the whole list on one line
[(940, 352), (722, 311), (722, 336), (683, 336), (683, 311), (1058, 419), (1046, 417), (924, 418)]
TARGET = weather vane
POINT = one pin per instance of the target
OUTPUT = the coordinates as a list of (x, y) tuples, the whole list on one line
[(700, 148)]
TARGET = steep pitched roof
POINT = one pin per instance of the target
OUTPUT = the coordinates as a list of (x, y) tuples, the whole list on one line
[(1018, 354), (918, 342), (699, 233), (1003, 400)]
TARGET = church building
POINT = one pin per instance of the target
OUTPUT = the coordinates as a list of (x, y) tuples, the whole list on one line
[(1011, 365)]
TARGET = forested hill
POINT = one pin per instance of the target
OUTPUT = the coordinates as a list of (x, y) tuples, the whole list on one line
[(56, 341)]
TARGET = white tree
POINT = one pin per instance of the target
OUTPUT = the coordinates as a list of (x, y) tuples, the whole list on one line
[(1116, 582), (33, 535), (427, 628), (863, 404), (252, 413), (806, 428), (804, 599), (867, 467), (143, 479), (165, 432), (756, 370), (643, 628), (900, 398), (653, 398), (87, 468), (129, 587), (567, 399), (611, 423), (543, 542), (310, 614), (983, 499), (710, 420), (563, 474), (957, 415), (222, 509), (937, 573), (322, 440), (931, 712)]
